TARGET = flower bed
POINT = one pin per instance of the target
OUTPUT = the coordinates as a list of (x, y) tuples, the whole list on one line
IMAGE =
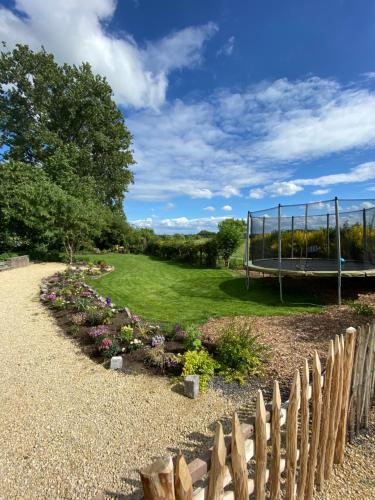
[(104, 330)]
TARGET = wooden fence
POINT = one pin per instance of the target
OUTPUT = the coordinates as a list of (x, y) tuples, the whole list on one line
[(291, 448)]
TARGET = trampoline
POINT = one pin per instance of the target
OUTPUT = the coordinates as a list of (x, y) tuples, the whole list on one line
[(323, 239)]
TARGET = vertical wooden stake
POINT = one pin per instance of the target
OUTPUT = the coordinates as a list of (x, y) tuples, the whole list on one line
[(326, 410), (157, 480), (183, 483), (276, 443), (239, 465), (347, 381), (260, 448), (335, 410), (216, 478), (315, 430), (304, 451), (291, 437)]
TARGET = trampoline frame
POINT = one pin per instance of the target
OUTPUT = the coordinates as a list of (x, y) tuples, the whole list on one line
[(339, 272)]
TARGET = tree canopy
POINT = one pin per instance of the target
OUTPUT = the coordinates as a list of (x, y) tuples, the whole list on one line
[(63, 118)]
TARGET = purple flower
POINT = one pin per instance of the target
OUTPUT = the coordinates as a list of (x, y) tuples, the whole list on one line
[(86, 293), (51, 297), (108, 301), (157, 340), (135, 319), (98, 331)]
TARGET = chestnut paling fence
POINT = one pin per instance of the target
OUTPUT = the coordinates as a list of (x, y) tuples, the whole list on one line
[(291, 448)]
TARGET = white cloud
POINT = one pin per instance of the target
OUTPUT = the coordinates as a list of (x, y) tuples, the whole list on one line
[(76, 31), (319, 192), (169, 206), (209, 209), (227, 48), (226, 208), (179, 224), (257, 193)]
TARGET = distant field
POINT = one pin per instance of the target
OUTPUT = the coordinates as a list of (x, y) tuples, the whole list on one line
[(177, 293)]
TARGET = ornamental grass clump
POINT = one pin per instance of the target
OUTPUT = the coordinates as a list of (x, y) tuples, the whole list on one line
[(126, 334), (239, 353)]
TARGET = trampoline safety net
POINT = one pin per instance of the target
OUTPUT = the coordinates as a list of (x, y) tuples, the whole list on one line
[(334, 237)]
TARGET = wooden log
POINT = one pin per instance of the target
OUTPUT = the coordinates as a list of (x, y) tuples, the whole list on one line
[(291, 437), (239, 466), (157, 480), (304, 447), (326, 410), (315, 428), (216, 478), (347, 382), (335, 409), (260, 448), (276, 443), (183, 484)]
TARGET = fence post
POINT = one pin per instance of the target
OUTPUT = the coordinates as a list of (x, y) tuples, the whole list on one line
[(276, 443), (304, 447), (183, 483), (367, 377), (326, 410), (315, 429), (239, 464), (291, 437), (260, 448), (216, 478), (348, 359), (157, 480), (335, 411)]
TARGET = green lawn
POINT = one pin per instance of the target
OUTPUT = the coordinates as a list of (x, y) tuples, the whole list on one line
[(177, 293)]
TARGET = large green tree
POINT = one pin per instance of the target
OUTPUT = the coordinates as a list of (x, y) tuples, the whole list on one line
[(63, 119)]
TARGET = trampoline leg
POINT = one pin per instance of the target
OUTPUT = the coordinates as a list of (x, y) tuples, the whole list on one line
[(281, 288)]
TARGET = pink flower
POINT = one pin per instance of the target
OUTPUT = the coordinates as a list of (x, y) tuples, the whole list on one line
[(106, 343), (51, 296)]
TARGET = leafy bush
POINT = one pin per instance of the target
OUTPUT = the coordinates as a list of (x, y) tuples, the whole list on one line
[(198, 363), (109, 347), (7, 255), (238, 353), (126, 334), (362, 309), (192, 341)]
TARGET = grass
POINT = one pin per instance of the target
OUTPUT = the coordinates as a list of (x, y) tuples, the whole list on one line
[(177, 293)]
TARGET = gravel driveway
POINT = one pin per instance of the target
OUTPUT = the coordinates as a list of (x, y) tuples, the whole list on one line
[(69, 428)]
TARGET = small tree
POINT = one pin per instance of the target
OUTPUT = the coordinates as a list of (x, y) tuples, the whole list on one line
[(229, 237)]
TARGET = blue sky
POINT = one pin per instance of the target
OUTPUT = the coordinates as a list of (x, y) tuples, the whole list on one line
[(233, 105)]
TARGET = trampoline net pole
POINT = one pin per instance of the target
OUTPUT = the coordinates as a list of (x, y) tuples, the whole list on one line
[(364, 236), (292, 242), (328, 236), (338, 246), (247, 251), (263, 229), (306, 239), (279, 252)]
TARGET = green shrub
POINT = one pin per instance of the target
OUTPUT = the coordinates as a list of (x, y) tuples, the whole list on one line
[(362, 309), (192, 341), (126, 334), (198, 363), (95, 316), (7, 255), (238, 353)]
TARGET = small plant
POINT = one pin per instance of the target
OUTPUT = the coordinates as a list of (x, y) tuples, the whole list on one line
[(192, 341), (362, 309), (78, 318), (161, 360), (83, 304), (135, 344), (157, 340), (109, 347), (126, 334), (73, 330), (239, 354), (198, 363), (98, 332), (59, 303)]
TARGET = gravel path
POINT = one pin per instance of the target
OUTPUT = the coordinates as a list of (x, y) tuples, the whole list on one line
[(71, 429)]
